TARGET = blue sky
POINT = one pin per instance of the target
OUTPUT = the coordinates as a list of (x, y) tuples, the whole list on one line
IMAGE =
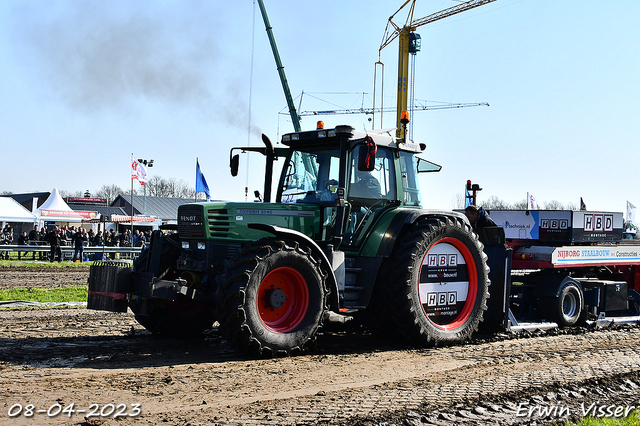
[(85, 83)]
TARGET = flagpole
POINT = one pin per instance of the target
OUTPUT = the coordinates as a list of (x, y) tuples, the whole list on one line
[(132, 203), (528, 201)]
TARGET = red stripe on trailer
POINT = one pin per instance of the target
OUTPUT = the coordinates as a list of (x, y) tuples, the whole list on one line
[(114, 296)]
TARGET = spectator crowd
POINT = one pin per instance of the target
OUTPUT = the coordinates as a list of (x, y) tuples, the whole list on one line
[(69, 235), (77, 237)]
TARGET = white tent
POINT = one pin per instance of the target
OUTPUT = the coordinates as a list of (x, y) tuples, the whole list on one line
[(54, 209), (12, 211)]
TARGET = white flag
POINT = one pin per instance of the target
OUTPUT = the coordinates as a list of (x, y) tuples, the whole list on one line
[(138, 171), (533, 204), (142, 174), (631, 212)]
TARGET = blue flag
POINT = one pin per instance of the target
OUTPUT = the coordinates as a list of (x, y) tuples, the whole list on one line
[(201, 182), (467, 198)]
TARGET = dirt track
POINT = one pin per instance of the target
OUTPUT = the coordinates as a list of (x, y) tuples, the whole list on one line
[(54, 358)]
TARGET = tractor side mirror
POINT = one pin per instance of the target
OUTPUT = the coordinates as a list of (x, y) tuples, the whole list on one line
[(234, 164), (366, 158)]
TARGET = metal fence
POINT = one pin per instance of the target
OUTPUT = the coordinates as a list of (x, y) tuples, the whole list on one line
[(42, 252)]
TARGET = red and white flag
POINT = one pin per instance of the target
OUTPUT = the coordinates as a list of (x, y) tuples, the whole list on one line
[(138, 171)]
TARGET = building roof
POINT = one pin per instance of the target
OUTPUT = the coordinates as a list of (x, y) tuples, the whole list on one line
[(102, 210), (165, 208), (26, 199), (12, 211)]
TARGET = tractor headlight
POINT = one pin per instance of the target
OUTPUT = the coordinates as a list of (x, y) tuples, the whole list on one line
[(185, 245), (201, 246)]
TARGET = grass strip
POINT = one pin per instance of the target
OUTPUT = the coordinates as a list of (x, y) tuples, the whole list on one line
[(46, 295), (633, 419), (42, 264)]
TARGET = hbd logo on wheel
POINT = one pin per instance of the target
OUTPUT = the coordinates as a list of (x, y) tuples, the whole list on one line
[(445, 298)]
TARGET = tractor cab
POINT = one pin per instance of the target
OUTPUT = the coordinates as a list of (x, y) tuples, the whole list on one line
[(353, 176)]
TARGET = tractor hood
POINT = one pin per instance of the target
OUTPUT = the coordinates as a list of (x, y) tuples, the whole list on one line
[(229, 221)]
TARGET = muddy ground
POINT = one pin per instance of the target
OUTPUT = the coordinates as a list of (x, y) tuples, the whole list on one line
[(85, 363)]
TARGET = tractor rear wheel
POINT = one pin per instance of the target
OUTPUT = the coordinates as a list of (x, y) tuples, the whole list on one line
[(441, 287), (272, 298)]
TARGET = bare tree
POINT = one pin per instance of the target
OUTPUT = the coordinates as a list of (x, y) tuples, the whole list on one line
[(572, 206), (457, 202), (520, 205), (66, 194), (495, 203), (110, 192), (184, 190), (160, 187), (6, 193), (155, 186), (553, 205)]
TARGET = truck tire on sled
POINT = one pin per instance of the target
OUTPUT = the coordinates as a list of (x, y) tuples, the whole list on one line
[(442, 284), (182, 318), (272, 299), (567, 309)]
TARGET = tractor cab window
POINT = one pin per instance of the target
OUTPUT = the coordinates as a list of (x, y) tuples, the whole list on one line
[(311, 177), (368, 194), (379, 184)]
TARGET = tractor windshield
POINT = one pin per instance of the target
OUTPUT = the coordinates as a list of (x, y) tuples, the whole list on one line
[(311, 177)]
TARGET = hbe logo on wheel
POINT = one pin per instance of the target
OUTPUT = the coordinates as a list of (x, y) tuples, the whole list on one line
[(442, 260), (444, 298)]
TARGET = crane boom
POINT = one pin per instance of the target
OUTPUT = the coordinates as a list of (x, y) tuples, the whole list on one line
[(449, 12), (283, 78), (405, 47), (413, 24), (379, 110)]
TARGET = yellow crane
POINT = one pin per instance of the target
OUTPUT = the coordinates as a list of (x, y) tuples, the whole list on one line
[(409, 43)]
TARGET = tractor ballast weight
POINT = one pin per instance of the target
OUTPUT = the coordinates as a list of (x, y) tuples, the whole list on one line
[(346, 235)]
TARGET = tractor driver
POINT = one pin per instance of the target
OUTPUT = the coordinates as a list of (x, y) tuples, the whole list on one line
[(365, 186), (478, 217)]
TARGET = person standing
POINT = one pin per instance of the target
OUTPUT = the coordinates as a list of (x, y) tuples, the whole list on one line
[(33, 235), (97, 240), (23, 240), (79, 238), (6, 238), (53, 237)]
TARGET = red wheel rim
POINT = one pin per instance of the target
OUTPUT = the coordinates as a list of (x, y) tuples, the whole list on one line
[(467, 308), (283, 298)]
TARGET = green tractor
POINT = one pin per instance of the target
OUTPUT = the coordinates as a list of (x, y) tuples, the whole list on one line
[(345, 236)]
